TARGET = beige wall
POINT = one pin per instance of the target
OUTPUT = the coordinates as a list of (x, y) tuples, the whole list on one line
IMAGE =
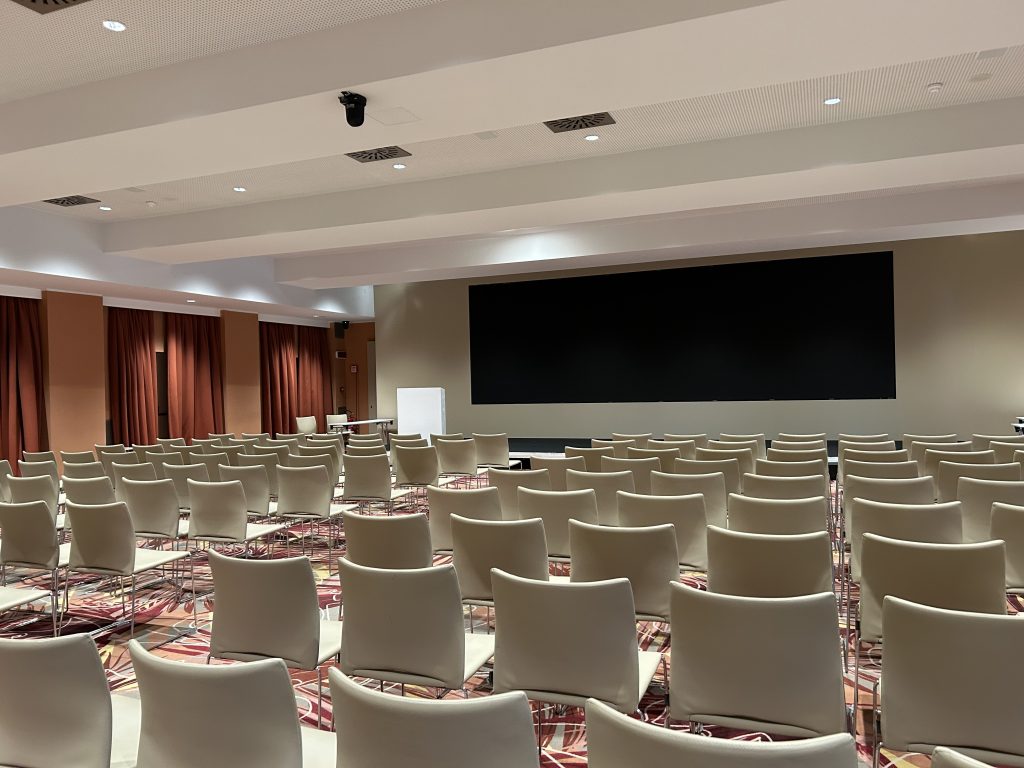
[(959, 353), (240, 337)]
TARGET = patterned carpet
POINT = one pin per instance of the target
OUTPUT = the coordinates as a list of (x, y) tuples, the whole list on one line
[(164, 624)]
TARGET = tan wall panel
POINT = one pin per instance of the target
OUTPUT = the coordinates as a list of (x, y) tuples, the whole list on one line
[(240, 332)]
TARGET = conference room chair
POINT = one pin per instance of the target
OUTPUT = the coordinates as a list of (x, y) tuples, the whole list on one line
[(591, 456), (406, 626), (556, 467), (665, 456), (950, 473), (932, 458), (911, 490), (409, 442), (731, 445), (245, 443), (371, 439), (539, 619), (768, 565), (770, 468), (509, 481), (304, 495), (803, 454), (204, 443), (639, 440), (457, 458), (908, 439), (99, 448), (884, 469), (687, 516), (619, 447), (777, 516), (35, 456), (864, 446), (647, 556), (416, 468), (224, 435), (606, 486), (974, 704), (615, 740), (323, 459), (39, 469), (762, 681), (153, 507), (940, 523), (39, 488), (119, 472), (759, 439), (785, 487), (305, 425), (180, 474), (212, 461), (641, 469), (31, 542), (84, 726), (171, 442), (260, 437), (109, 458), (269, 462), (730, 469), (855, 438), (456, 733), (219, 516), (333, 448), (1005, 451), (796, 437), (556, 509), (918, 449), (291, 439), (492, 450), (104, 544), (184, 451), (91, 490), (710, 486), (852, 454), (233, 451), (269, 609), (977, 497), (687, 448), (255, 485), (406, 436), (335, 422), (944, 757), (236, 714), (402, 541), (1008, 526), (368, 449), (5, 472), (368, 481), (700, 440), (83, 470), (281, 454), (140, 450), (77, 457), (435, 436), (984, 442), (861, 450), (744, 456), (518, 547), (159, 460), (799, 445), (472, 503)]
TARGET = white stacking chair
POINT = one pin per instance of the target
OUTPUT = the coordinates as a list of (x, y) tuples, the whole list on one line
[(473, 503), (777, 516), (768, 565), (556, 467), (977, 497), (492, 450), (30, 542), (710, 486), (758, 439), (687, 516), (700, 440), (82, 470), (402, 541), (556, 509), (518, 547), (606, 487), (641, 469), (591, 456), (509, 481), (639, 440), (950, 473), (730, 469), (619, 448)]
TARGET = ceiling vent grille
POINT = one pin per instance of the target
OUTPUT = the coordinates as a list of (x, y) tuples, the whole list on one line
[(580, 122), (380, 153), (46, 6), (71, 201)]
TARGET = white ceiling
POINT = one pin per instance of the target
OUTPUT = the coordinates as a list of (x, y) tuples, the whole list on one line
[(718, 103)]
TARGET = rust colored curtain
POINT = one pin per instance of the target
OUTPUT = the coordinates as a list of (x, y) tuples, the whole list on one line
[(278, 390), (22, 400), (131, 365), (195, 389), (314, 376)]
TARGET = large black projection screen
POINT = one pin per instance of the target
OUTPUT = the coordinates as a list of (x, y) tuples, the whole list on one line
[(796, 329)]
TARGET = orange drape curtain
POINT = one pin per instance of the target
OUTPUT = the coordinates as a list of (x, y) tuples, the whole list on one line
[(314, 375), (22, 401), (195, 389), (131, 360), (278, 385)]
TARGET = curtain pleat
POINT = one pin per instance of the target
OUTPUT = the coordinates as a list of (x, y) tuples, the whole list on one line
[(278, 389), (22, 399), (314, 375), (131, 360), (195, 390)]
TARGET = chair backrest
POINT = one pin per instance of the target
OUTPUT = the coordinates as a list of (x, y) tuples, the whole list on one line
[(615, 740), (40, 488), (499, 726), (402, 541), (406, 436), (153, 506), (961, 577), (218, 511), (104, 540), (491, 450), (269, 462), (745, 457), (606, 486), (180, 474), (509, 481), (265, 608), (202, 443), (410, 442), (30, 536), (304, 491), (774, 684), (797, 437), (619, 447), (237, 714), (336, 419), (538, 615), (556, 467), (911, 490), (261, 437), (771, 468), (799, 445), (710, 486), (728, 445), (39, 469), (591, 456), (918, 449), (518, 547), (168, 442), (686, 514), (473, 503), (977, 497), (359, 449), (321, 459), (665, 456), (160, 459), (639, 440), (82, 470), (367, 477), (852, 438), (306, 425), (944, 757), (109, 458), (457, 457), (77, 457), (233, 451), (5, 472), (1004, 451), (908, 438), (34, 669), (35, 456), (120, 472), (950, 473), (140, 451), (803, 454), (641, 469), (1008, 525), (730, 469), (292, 440), (701, 439), (255, 485), (777, 516), (416, 466), (766, 565), (112, 448), (933, 458), (406, 622), (645, 555), (212, 462), (759, 439), (974, 703), (786, 487), (933, 523), (984, 442), (244, 442), (556, 509), (91, 490), (434, 437), (894, 470)]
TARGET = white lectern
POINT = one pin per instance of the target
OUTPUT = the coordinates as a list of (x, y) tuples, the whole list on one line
[(421, 409)]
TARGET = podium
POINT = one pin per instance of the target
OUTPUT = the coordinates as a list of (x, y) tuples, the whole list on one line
[(421, 409)]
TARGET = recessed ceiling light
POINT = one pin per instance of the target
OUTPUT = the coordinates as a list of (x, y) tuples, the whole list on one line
[(240, 189), (832, 100), (105, 208), (190, 301), (399, 166), (592, 137), (115, 26)]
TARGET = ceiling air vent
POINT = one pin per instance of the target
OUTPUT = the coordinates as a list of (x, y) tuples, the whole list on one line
[(580, 122), (380, 153), (45, 6), (71, 201)]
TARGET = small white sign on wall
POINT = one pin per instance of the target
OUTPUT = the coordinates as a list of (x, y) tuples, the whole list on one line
[(421, 409)]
